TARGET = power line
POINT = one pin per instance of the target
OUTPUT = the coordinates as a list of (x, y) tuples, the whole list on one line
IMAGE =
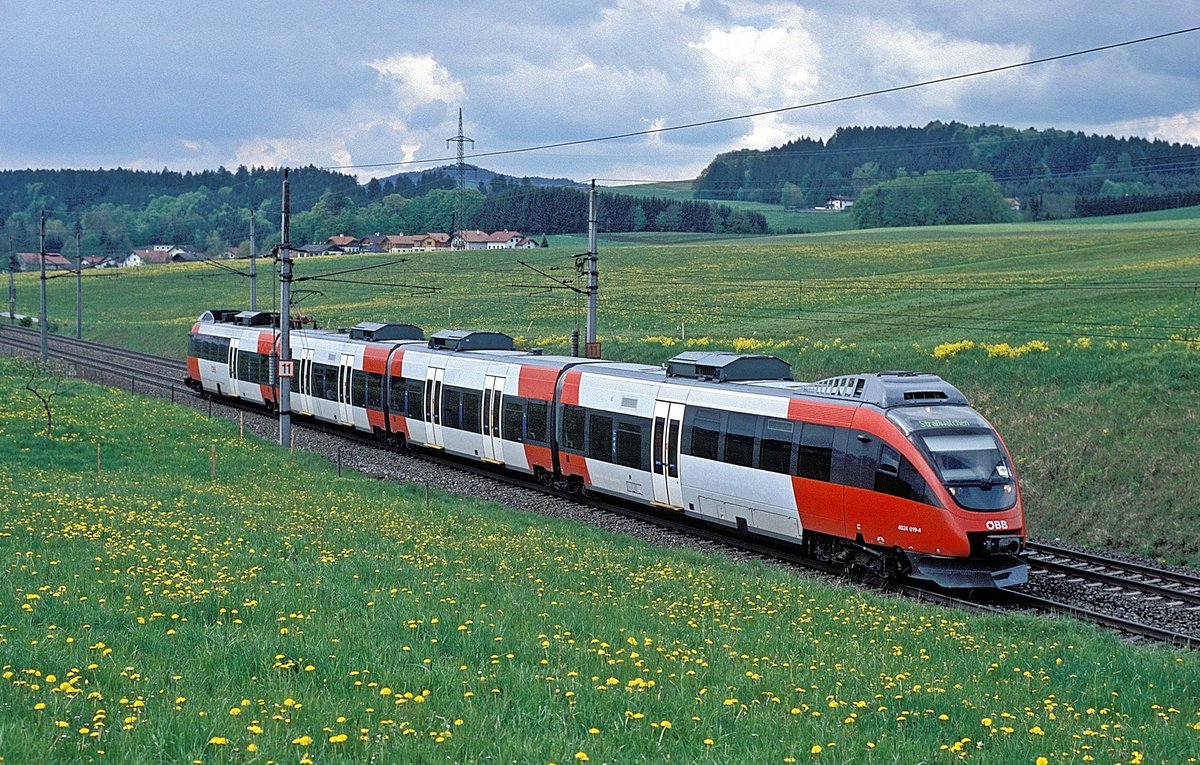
[(783, 109)]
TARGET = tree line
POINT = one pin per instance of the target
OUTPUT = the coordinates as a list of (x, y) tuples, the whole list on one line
[(1025, 164), (112, 211)]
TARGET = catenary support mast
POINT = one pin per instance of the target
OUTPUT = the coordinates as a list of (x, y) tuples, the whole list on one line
[(285, 319), (45, 340), (253, 270), (592, 347)]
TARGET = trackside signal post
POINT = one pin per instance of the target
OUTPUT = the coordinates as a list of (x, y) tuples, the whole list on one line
[(285, 321)]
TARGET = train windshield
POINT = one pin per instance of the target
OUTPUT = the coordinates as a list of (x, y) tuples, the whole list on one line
[(964, 451), (974, 469)]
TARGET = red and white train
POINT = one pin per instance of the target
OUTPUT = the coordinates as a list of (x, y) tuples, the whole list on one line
[(893, 472)]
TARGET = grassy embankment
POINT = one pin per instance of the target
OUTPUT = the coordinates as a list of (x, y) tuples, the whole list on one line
[(149, 613), (1061, 333)]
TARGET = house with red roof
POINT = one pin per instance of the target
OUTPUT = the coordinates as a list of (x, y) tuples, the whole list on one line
[(470, 240)]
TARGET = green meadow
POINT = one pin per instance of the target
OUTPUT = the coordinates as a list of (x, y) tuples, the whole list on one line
[(1078, 339), (160, 606)]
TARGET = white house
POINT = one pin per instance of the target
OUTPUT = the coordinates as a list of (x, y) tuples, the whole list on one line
[(471, 240), (504, 240)]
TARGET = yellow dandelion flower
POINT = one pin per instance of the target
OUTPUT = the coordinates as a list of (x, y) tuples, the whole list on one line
[(218, 741), (1042, 761), (338, 738), (593, 731), (235, 711), (816, 749), (581, 756), (302, 740)]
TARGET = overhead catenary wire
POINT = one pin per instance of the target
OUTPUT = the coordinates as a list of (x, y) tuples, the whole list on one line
[(783, 109)]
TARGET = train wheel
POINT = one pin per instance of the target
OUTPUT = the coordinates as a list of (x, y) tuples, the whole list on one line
[(574, 485), (543, 477)]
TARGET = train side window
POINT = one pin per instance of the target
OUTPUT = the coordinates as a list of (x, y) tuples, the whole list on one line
[(358, 388), (374, 390), (600, 437), (706, 434), (816, 452), (451, 408), (897, 476), (472, 402), (739, 439), (629, 446), (324, 381), (415, 390), (536, 417), (775, 450), (513, 416), (572, 428)]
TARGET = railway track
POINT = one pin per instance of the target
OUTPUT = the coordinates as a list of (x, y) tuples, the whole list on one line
[(1088, 586), (1177, 589)]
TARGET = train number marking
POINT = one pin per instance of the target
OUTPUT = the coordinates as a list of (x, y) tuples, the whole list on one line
[(910, 529)]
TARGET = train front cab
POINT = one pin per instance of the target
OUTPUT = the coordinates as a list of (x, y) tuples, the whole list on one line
[(942, 491)]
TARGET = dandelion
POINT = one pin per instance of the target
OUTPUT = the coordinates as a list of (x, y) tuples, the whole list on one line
[(816, 749), (581, 756), (302, 740), (218, 741)]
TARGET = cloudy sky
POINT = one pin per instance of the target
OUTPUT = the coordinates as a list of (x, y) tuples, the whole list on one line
[(206, 83)]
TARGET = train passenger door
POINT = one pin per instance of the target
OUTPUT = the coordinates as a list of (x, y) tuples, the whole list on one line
[(345, 378), (433, 407), (664, 454), (233, 375), (303, 385), (493, 390)]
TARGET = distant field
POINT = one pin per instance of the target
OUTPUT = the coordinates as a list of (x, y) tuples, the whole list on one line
[(199, 597), (1078, 339), (779, 219)]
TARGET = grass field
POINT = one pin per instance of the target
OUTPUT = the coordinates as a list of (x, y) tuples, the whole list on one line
[(160, 606), (1077, 339)]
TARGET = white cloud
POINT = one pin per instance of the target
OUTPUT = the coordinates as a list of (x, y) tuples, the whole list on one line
[(418, 79), (775, 66), (1182, 127), (901, 54), (290, 152)]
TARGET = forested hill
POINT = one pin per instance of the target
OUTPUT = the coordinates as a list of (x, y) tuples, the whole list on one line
[(1026, 163), (70, 191)]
